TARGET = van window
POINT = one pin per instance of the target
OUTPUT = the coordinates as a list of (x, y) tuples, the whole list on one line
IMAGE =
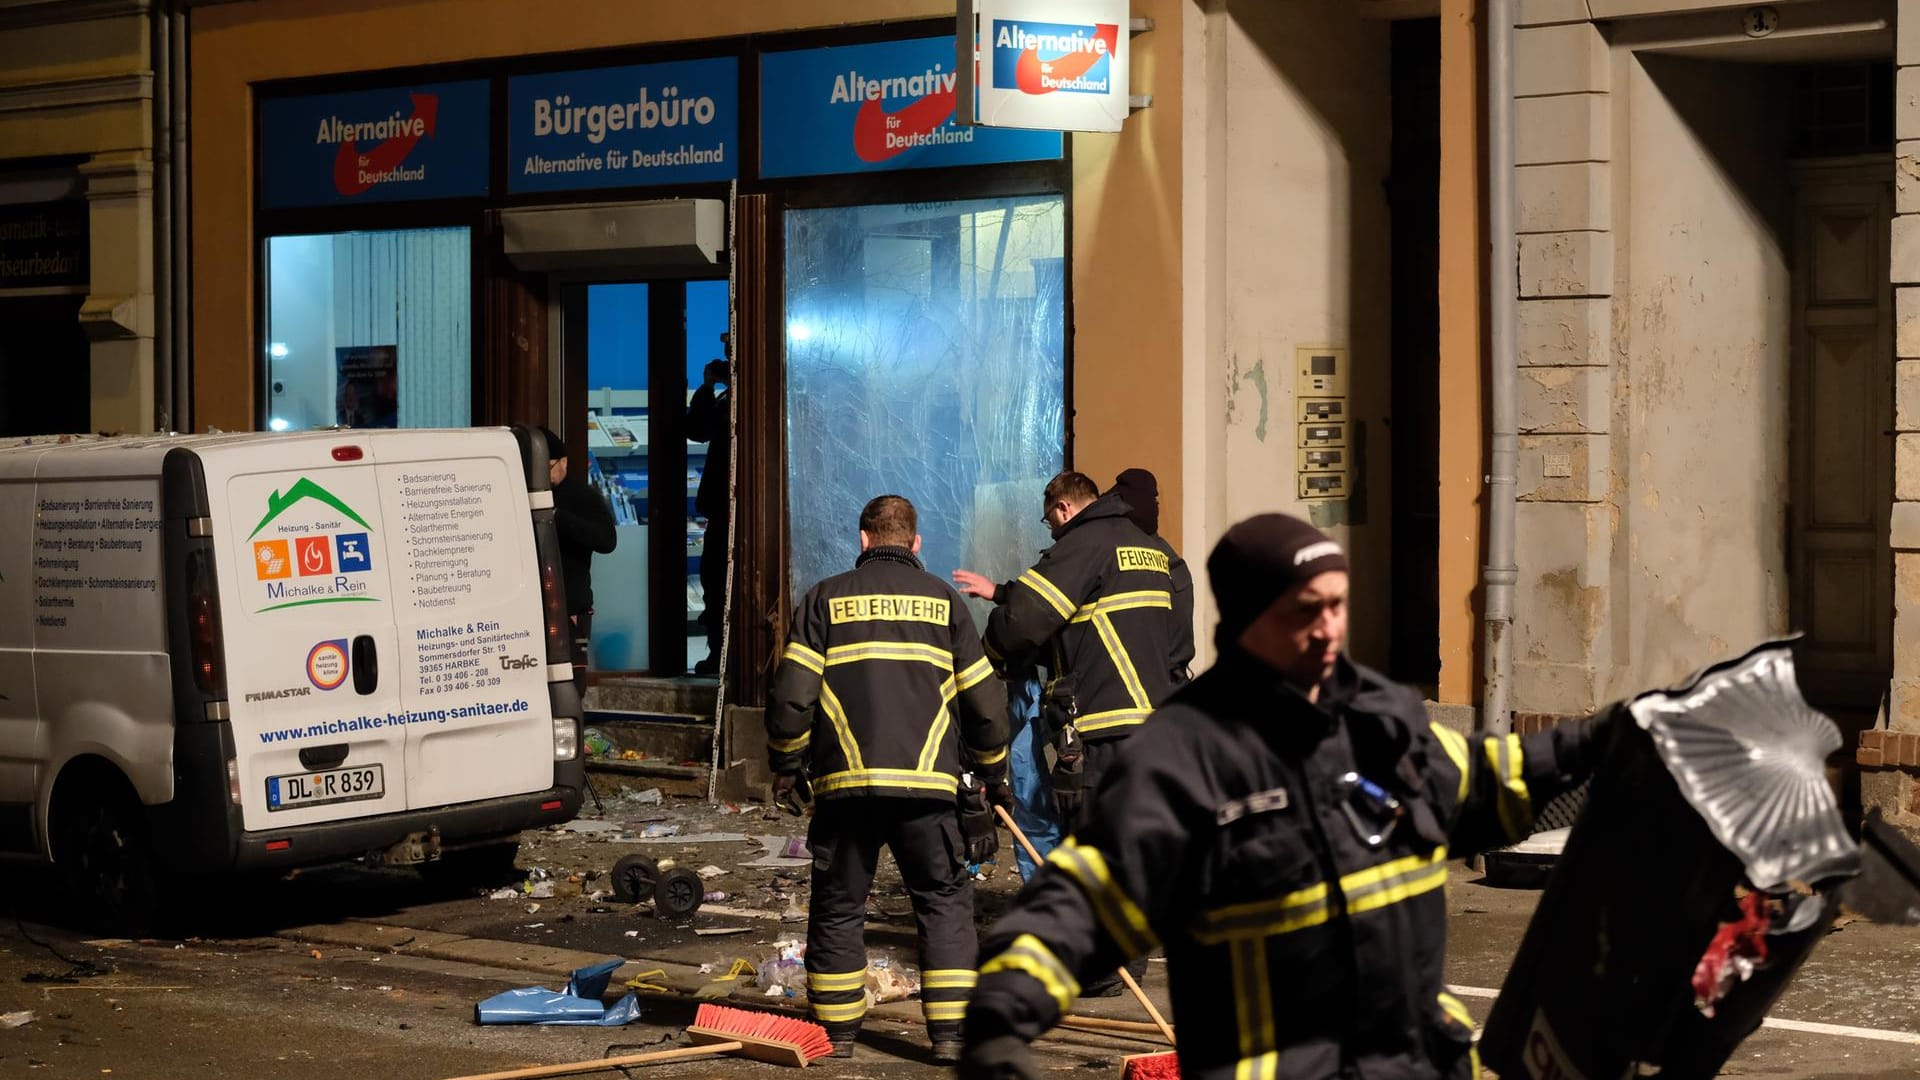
[(369, 329)]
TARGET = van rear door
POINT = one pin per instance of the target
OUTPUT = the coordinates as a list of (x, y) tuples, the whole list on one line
[(309, 587), (472, 669)]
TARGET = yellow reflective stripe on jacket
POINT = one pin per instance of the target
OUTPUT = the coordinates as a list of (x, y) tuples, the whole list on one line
[(1122, 663), (1516, 802), (805, 657), (1111, 718), (890, 650), (948, 979), (837, 715), (975, 674), (839, 1014), (1049, 592), (1126, 601), (829, 981), (1265, 918), (930, 753), (1253, 1009), (1030, 956), (913, 779), (793, 745), (1389, 883), (1122, 918), (1455, 744)]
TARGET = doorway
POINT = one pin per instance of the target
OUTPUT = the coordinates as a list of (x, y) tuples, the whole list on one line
[(645, 416)]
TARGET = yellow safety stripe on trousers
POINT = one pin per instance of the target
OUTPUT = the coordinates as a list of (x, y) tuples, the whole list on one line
[(943, 1010), (842, 730), (805, 657), (942, 719), (949, 979), (1455, 744), (1122, 918), (1265, 918), (975, 674), (1126, 601), (1049, 592), (794, 745), (1253, 1012), (1030, 956), (1111, 718), (1389, 883), (912, 779), (1117, 652), (890, 650), (839, 1014), (1516, 802), (829, 981)]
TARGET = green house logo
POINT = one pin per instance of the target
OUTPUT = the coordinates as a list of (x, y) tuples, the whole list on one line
[(304, 489)]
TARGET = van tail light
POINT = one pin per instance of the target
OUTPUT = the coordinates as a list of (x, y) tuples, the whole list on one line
[(553, 596), (203, 626)]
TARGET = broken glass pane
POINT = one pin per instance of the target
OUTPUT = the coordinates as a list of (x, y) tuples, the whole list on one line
[(925, 358)]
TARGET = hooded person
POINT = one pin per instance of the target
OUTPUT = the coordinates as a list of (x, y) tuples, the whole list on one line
[(1281, 828), (1140, 490)]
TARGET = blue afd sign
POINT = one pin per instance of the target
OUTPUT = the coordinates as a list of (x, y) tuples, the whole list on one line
[(408, 142), (624, 127), (868, 108)]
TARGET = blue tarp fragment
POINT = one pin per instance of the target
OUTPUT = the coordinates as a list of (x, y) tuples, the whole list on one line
[(578, 1005)]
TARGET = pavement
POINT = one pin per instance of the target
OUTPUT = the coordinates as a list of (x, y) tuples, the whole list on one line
[(346, 971)]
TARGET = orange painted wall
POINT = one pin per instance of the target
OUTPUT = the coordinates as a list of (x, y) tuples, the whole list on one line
[(1126, 189), (1462, 348)]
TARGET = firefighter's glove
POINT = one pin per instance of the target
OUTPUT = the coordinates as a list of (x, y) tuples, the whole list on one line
[(976, 821), (999, 1057), (1069, 767), (792, 791), (1000, 794)]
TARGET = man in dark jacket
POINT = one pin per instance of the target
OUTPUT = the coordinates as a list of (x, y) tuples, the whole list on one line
[(710, 420), (881, 663), (1282, 828), (1140, 490), (586, 526)]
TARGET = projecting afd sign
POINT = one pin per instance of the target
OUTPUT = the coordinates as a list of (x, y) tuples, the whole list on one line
[(1055, 65)]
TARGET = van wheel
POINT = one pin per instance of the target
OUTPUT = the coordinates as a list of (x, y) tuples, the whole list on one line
[(106, 855), (484, 867)]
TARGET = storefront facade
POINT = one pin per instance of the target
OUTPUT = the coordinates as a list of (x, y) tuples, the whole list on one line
[(460, 213)]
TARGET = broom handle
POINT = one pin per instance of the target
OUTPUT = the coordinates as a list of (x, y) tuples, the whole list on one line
[(652, 1057), (1138, 994)]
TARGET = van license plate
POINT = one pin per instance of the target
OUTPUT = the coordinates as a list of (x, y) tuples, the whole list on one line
[(320, 788)]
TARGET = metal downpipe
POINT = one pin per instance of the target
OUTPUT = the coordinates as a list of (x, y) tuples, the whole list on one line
[(1499, 574)]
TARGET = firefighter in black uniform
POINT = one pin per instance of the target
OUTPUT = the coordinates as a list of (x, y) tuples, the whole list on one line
[(1282, 828), (863, 710)]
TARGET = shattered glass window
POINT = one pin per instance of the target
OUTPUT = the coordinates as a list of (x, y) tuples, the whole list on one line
[(925, 358)]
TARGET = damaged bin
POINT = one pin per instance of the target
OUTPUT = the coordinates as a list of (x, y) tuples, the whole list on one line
[(1691, 889)]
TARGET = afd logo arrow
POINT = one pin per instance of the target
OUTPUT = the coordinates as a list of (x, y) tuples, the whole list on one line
[(1027, 72), (353, 171), (879, 134)]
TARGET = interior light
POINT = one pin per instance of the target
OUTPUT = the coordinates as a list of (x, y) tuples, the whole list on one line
[(277, 424), (798, 331), (277, 350)]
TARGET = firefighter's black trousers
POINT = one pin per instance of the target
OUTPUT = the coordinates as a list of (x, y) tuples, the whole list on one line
[(924, 836), (1099, 761)]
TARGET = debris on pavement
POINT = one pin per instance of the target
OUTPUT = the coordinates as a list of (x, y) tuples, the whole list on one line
[(577, 1005), (16, 1019), (784, 974), (709, 872)]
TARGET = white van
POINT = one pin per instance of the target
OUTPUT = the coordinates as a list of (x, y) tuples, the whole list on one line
[(229, 652)]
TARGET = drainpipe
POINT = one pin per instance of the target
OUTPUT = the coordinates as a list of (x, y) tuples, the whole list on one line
[(182, 290), (163, 403), (1500, 573)]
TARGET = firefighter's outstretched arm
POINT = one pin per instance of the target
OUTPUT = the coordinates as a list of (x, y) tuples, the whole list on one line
[(1037, 605), (796, 690), (1491, 786), (1094, 906)]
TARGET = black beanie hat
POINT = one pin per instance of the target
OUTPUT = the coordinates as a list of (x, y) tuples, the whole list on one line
[(1141, 490), (1260, 560)]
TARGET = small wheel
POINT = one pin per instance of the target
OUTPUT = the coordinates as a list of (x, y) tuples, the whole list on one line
[(633, 879), (678, 894)]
